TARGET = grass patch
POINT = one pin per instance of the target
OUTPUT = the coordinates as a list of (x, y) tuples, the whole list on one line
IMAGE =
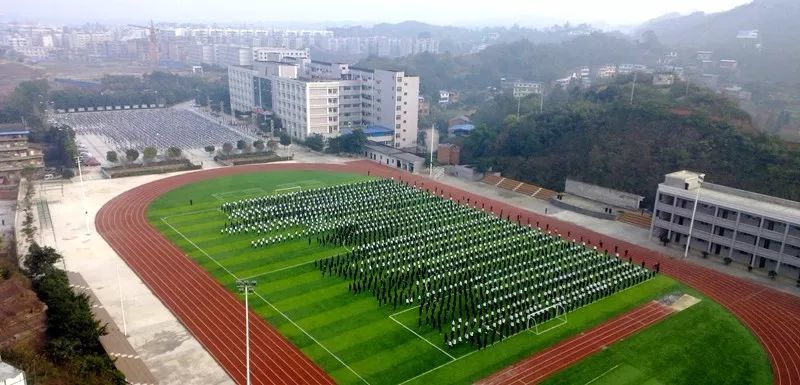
[(702, 344)]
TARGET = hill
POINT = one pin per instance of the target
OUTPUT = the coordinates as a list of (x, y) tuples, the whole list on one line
[(520, 59), (778, 31), (598, 137)]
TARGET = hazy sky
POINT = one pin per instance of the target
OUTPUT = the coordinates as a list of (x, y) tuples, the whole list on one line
[(481, 12)]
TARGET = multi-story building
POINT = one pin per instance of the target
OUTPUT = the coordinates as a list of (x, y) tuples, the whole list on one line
[(200, 54), (15, 153), (606, 71), (757, 230), (314, 97), (278, 53), (233, 55)]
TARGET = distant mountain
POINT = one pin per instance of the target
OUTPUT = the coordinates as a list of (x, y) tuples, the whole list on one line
[(776, 20)]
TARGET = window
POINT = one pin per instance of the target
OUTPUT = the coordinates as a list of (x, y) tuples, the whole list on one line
[(399, 108), (397, 126), (399, 98), (398, 117)]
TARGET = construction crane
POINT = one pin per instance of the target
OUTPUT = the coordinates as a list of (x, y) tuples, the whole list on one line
[(153, 39)]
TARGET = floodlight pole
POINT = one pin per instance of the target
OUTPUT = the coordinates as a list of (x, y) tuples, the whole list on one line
[(430, 166), (83, 195), (246, 286), (122, 304), (691, 223)]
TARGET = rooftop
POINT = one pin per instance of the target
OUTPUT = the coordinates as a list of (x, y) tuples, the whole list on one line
[(13, 129), (463, 127), (393, 152), (747, 200), (377, 131), (8, 372)]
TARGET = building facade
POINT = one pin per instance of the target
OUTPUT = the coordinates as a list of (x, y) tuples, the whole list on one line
[(313, 97), (15, 153), (757, 230)]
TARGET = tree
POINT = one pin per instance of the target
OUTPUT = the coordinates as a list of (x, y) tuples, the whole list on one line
[(40, 260), (67, 173), (209, 149), (112, 156), (149, 153), (248, 148), (259, 145), (272, 145), (315, 142), (131, 155), (227, 147), (240, 144), (285, 139), (334, 145), (174, 152), (354, 142)]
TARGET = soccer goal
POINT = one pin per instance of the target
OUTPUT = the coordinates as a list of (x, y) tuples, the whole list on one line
[(560, 319)]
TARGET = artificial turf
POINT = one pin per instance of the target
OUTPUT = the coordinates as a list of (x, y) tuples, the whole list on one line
[(356, 341)]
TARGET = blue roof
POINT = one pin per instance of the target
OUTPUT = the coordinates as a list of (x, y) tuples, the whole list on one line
[(377, 131), (370, 131), (462, 127)]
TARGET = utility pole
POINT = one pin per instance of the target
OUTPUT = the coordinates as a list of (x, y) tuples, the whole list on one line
[(691, 223), (83, 195), (246, 286), (541, 101), (633, 87), (122, 304), (519, 103), (430, 167)]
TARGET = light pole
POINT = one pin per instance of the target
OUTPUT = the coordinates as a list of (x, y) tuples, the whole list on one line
[(83, 195), (691, 223), (430, 166), (246, 286), (122, 304)]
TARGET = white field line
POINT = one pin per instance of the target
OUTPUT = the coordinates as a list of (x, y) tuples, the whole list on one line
[(437, 368), (312, 338), (423, 338), (268, 303), (198, 248), (188, 213), (250, 191), (602, 374), (281, 269)]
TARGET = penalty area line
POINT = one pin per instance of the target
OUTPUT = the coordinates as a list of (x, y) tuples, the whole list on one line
[(602, 374), (423, 338), (312, 338)]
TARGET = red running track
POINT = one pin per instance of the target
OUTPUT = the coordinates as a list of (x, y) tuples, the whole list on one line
[(205, 307), (565, 353)]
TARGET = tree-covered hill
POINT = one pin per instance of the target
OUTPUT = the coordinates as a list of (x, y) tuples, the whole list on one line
[(779, 31), (597, 136), (520, 59)]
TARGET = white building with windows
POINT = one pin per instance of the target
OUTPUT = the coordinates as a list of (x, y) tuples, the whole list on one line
[(314, 97), (753, 229)]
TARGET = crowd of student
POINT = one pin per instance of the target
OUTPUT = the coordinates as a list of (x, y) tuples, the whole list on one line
[(475, 278)]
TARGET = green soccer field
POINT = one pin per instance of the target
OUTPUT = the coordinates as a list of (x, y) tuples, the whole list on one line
[(356, 341)]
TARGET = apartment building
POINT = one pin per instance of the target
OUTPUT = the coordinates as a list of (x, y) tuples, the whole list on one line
[(15, 153), (315, 97), (753, 229)]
